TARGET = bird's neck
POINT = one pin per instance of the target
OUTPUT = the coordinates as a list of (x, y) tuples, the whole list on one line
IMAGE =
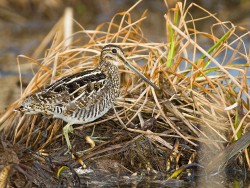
[(111, 71)]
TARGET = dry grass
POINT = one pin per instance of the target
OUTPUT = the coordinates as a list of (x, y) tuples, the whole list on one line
[(149, 129)]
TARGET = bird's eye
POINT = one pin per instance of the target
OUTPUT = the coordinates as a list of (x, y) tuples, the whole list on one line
[(114, 51)]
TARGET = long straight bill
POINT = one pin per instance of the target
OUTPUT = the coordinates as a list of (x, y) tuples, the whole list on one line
[(141, 75)]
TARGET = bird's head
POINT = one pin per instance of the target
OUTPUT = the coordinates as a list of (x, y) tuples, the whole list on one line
[(115, 55)]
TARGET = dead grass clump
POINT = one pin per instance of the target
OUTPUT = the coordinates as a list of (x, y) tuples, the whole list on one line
[(203, 102)]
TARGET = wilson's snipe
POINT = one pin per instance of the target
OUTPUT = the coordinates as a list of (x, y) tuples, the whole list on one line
[(84, 96)]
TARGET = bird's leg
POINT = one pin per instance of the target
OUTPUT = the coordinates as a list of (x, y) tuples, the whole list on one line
[(66, 129)]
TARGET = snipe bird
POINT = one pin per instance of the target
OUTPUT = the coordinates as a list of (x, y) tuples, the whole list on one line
[(85, 96)]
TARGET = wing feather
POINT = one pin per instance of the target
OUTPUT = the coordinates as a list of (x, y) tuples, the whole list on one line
[(70, 93)]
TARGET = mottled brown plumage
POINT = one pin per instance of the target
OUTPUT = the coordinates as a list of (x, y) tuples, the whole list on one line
[(82, 97)]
